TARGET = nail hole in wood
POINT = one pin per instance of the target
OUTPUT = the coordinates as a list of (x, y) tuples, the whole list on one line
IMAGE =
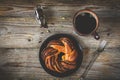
[(29, 40), (108, 34)]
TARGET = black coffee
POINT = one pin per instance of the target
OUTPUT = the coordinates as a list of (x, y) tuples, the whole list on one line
[(85, 23)]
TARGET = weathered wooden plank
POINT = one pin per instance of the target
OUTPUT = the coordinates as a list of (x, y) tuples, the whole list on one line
[(110, 3), (24, 64), (28, 37), (27, 11), (19, 28)]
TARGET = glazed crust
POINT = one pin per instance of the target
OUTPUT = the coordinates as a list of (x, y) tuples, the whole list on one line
[(60, 55)]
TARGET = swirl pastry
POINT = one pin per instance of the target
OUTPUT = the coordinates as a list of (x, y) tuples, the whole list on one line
[(60, 55)]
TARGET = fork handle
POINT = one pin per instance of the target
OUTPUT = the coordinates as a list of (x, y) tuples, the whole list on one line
[(94, 57)]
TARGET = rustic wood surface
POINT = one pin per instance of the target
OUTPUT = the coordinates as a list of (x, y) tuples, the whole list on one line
[(21, 37)]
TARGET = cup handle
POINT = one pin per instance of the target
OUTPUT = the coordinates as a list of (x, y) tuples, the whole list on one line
[(96, 35)]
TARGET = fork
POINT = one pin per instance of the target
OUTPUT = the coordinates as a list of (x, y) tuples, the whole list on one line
[(94, 57)]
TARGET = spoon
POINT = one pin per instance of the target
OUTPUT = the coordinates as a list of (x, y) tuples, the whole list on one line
[(40, 16)]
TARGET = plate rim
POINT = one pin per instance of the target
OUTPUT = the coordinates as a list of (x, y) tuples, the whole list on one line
[(75, 43)]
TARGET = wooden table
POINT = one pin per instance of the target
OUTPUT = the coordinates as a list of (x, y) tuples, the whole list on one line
[(21, 37)]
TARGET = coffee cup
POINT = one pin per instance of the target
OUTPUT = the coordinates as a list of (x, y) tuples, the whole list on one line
[(86, 22)]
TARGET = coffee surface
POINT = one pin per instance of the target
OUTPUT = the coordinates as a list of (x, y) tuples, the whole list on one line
[(85, 23)]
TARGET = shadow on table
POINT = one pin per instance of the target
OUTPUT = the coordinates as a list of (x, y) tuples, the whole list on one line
[(86, 56), (3, 74)]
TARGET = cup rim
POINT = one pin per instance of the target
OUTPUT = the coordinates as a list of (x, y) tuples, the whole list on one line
[(90, 12)]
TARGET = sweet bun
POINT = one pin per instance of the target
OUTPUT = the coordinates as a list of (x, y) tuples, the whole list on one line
[(60, 55)]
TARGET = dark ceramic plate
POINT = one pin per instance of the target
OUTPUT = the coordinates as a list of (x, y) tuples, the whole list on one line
[(78, 47)]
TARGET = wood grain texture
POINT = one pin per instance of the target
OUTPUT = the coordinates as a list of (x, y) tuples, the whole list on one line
[(19, 28), (21, 37), (24, 63)]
